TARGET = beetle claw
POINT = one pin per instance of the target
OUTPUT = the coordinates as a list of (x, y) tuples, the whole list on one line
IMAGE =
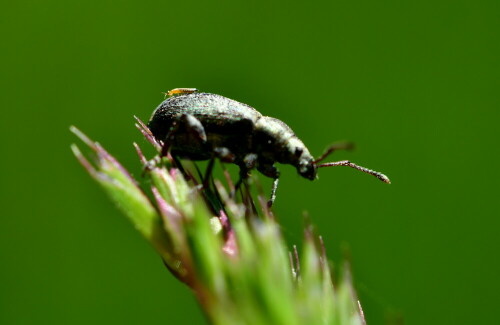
[(150, 165)]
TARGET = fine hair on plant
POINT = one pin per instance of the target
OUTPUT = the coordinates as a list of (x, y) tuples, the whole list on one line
[(225, 245)]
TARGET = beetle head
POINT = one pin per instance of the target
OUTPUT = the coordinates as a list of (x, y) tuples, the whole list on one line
[(307, 170), (277, 143), (299, 156)]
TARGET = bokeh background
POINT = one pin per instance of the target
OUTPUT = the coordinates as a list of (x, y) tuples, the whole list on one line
[(414, 84)]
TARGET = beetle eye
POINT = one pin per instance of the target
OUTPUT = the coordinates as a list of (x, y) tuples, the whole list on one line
[(298, 152)]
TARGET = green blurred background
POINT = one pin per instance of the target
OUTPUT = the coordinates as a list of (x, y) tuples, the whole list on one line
[(414, 84)]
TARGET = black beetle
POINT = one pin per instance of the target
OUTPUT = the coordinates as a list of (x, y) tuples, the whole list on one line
[(201, 126)]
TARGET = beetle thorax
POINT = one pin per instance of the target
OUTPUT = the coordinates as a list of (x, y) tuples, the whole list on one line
[(276, 142)]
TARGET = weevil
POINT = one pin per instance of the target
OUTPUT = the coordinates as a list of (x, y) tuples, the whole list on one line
[(201, 126)]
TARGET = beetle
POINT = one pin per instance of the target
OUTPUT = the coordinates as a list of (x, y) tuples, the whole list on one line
[(202, 126)]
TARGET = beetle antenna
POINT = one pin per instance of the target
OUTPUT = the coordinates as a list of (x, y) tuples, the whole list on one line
[(346, 145), (380, 176)]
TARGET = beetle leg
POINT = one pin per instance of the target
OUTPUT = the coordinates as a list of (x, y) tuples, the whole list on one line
[(191, 124), (243, 177), (224, 154), (208, 172), (270, 170), (273, 193), (248, 163), (178, 165)]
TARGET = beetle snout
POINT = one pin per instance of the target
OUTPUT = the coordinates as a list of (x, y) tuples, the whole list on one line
[(307, 170)]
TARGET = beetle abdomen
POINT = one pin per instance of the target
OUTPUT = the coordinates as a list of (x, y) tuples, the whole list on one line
[(217, 113), (227, 123)]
